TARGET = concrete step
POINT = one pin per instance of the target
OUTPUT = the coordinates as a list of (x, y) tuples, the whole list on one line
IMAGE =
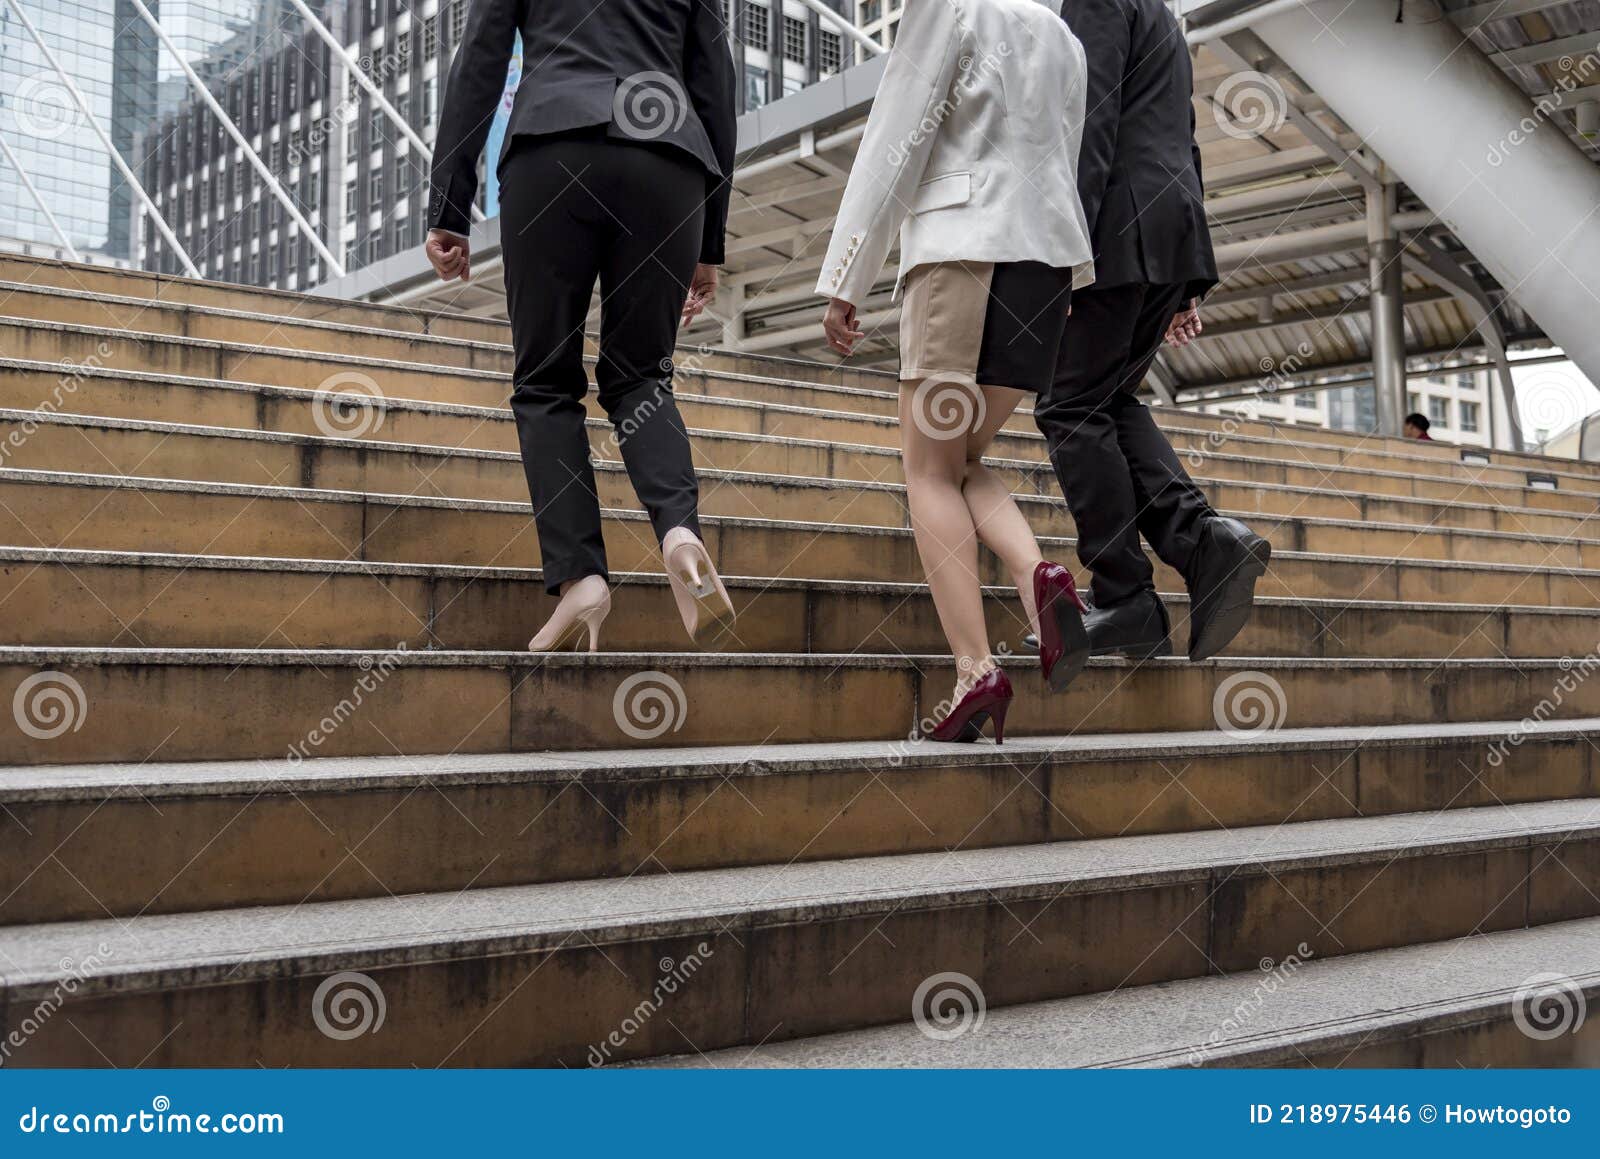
[(221, 704), (135, 599), (74, 280), (109, 512), (339, 327), (851, 414), (765, 472), (1465, 1002), (804, 441), (540, 974), (92, 283), (127, 840)]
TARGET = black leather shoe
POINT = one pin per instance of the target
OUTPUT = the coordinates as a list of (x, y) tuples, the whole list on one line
[(1222, 584), (1137, 628)]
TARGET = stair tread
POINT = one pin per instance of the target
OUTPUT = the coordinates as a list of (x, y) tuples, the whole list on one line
[(332, 495), (483, 658), (1337, 1004), (1170, 419), (216, 947), (354, 567), (94, 556), (196, 778), (890, 455)]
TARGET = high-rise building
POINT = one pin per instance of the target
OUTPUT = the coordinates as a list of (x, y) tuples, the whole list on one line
[(350, 170), (131, 83)]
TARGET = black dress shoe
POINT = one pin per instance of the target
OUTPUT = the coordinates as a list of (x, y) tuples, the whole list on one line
[(1137, 628), (1222, 584)]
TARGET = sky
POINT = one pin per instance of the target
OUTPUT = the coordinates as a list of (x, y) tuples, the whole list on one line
[(1552, 397)]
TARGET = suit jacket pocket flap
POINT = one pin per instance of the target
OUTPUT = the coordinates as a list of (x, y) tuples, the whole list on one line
[(942, 192)]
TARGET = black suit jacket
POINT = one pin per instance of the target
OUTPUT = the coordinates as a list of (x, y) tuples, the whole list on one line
[(1139, 171), (651, 70)]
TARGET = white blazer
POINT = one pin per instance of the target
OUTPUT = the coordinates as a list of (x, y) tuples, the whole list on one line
[(971, 149)]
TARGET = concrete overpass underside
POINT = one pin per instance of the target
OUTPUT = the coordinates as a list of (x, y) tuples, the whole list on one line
[(1335, 268)]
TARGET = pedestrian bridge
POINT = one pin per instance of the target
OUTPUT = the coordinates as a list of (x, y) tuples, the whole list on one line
[(1380, 190)]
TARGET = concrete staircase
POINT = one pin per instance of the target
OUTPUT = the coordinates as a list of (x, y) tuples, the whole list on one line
[(281, 787)]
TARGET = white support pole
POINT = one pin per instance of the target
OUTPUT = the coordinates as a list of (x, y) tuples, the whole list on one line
[(27, 183), (105, 141), (369, 85), (239, 139), (844, 25)]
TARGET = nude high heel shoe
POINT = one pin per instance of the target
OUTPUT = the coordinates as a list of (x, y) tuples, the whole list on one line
[(702, 600), (584, 606)]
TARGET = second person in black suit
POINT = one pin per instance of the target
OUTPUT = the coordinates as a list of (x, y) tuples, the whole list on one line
[(616, 168), (1139, 179)]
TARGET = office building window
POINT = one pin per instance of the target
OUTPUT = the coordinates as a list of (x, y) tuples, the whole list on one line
[(830, 51), (871, 12), (1439, 411), (1469, 417), (1413, 401), (754, 25), (402, 52), (755, 87), (794, 39), (430, 37), (1466, 381), (1306, 401), (458, 20)]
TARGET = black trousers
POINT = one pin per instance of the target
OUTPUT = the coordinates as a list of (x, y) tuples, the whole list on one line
[(577, 208), (1119, 473)]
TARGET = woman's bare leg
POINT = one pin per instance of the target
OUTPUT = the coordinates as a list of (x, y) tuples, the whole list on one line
[(934, 429), (1000, 525)]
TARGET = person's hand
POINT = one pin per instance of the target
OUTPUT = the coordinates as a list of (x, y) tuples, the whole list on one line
[(840, 325), (702, 292), (449, 254), (1185, 326)]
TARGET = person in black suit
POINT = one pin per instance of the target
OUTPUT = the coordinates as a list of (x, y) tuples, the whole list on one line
[(616, 168), (1139, 180)]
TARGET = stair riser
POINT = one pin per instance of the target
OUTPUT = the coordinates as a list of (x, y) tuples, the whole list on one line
[(262, 330), (84, 605), (191, 522), (86, 859), (829, 455), (373, 468), (217, 710), (291, 306), (764, 982), (1495, 1042)]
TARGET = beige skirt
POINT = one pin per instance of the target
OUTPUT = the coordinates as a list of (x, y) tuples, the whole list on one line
[(996, 324)]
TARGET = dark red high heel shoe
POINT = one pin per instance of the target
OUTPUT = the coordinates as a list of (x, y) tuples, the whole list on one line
[(988, 699), (1063, 641)]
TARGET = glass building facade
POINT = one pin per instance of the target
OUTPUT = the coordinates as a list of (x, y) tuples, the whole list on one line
[(350, 172)]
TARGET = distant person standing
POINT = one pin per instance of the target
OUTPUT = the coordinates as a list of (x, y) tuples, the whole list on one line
[(1416, 427)]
